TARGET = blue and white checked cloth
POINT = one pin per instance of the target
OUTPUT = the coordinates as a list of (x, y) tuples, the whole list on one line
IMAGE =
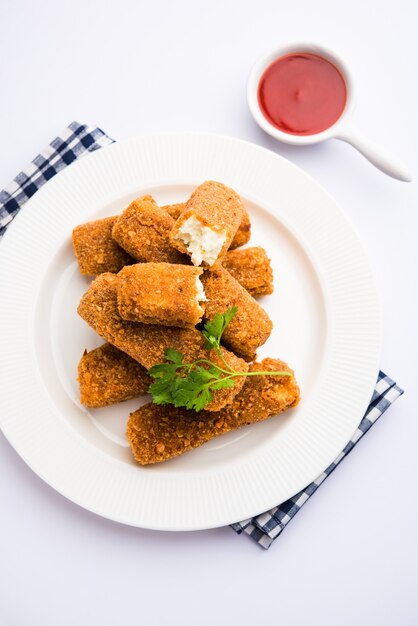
[(265, 528), (73, 143)]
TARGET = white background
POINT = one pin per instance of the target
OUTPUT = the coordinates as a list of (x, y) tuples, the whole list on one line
[(350, 557)]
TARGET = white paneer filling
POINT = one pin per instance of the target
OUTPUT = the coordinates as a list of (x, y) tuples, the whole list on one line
[(202, 243), (200, 296)]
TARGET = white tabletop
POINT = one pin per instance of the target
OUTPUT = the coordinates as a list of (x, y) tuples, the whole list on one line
[(137, 67)]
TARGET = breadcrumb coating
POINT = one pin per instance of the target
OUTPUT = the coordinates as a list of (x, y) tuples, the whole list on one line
[(143, 231), (251, 267), (174, 210), (243, 234), (160, 432), (95, 250), (107, 375), (147, 343), (160, 293), (215, 206), (251, 326)]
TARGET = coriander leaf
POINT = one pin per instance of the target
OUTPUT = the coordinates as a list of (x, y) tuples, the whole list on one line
[(223, 383), (211, 342), (162, 392), (198, 398), (158, 371), (181, 397), (174, 355), (213, 330), (204, 374), (192, 390), (202, 399), (163, 370), (229, 315), (185, 396), (214, 327)]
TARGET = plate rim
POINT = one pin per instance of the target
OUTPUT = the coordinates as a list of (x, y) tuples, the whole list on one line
[(56, 182)]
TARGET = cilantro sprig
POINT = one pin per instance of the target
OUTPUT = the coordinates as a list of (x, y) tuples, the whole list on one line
[(191, 385), (214, 329)]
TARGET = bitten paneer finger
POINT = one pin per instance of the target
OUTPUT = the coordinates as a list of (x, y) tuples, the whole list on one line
[(251, 326), (96, 251), (161, 293), (242, 235), (208, 224), (147, 343), (143, 231), (251, 267), (160, 432), (107, 375)]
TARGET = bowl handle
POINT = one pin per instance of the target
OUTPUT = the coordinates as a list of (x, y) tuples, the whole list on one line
[(379, 157)]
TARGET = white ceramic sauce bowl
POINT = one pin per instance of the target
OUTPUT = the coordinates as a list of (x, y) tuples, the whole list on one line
[(343, 129)]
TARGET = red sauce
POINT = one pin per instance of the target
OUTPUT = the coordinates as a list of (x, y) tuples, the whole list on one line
[(302, 94)]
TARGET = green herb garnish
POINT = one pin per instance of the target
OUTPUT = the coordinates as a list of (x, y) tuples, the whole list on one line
[(213, 330), (191, 385)]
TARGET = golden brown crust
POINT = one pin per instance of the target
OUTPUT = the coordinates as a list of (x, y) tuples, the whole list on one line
[(147, 343), (242, 235), (95, 250), (251, 326), (160, 293), (143, 231), (251, 267), (174, 210), (107, 375), (160, 432), (216, 206)]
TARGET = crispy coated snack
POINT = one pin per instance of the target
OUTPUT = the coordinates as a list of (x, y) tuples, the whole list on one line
[(174, 210), (147, 343), (250, 327), (252, 269), (95, 250), (242, 235), (107, 375), (208, 224), (161, 293), (160, 432), (143, 231)]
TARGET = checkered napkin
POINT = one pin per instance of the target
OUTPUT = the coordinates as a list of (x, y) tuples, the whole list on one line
[(265, 528), (76, 141)]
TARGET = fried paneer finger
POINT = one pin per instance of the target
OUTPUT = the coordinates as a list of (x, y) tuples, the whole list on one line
[(147, 343), (107, 375), (251, 326), (161, 293), (208, 224), (242, 235), (160, 432), (96, 251), (174, 210), (251, 267), (143, 231)]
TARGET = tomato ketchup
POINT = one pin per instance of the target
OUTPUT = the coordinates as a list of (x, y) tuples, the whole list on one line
[(302, 93)]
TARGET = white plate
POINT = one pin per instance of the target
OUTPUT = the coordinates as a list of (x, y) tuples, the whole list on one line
[(326, 325)]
